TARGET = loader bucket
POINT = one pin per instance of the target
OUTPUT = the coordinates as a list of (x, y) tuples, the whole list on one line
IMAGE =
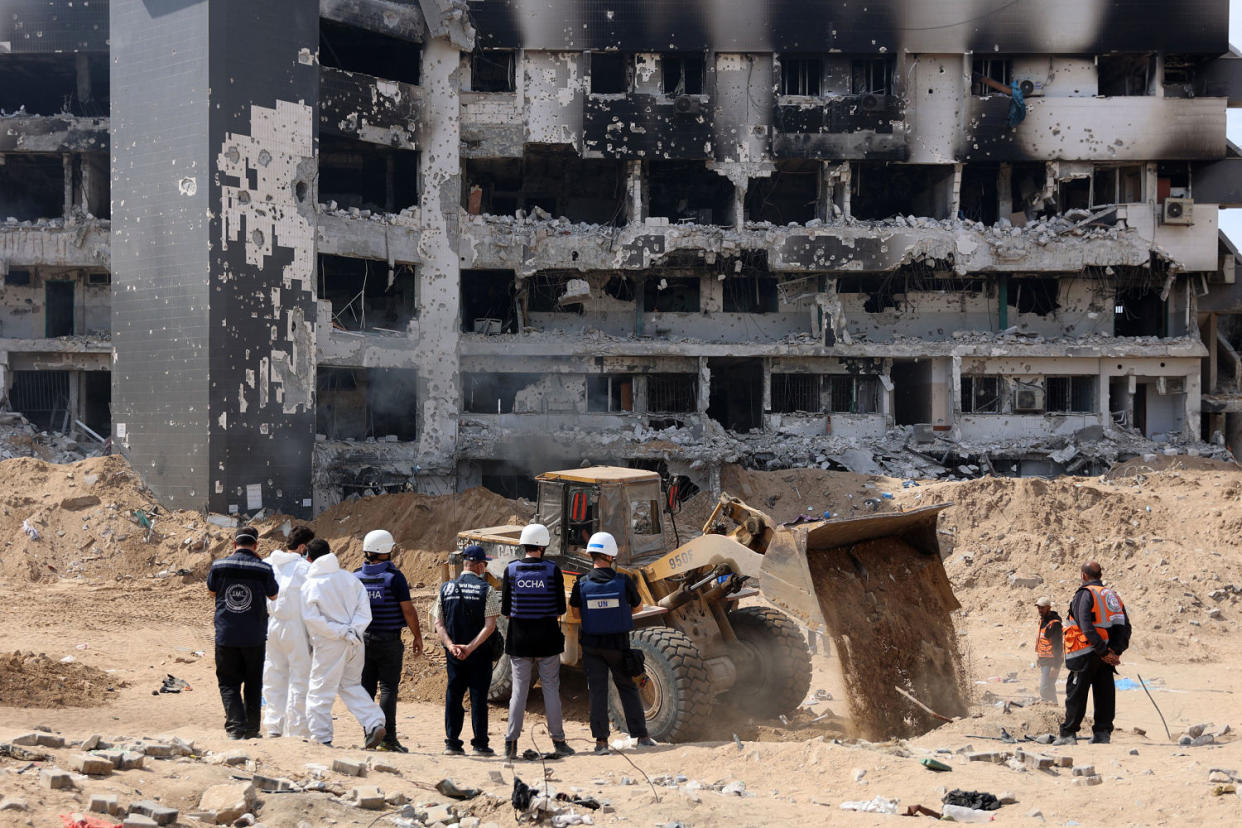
[(786, 578)]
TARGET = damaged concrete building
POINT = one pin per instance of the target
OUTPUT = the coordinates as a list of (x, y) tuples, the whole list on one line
[(352, 246)]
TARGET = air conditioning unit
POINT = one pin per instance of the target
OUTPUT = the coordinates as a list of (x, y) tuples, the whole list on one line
[(1179, 211), (1170, 385), (1027, 400), (872, 103), (687, 105)]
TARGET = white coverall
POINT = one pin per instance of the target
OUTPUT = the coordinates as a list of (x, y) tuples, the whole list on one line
[(337, 612), (286, 669)]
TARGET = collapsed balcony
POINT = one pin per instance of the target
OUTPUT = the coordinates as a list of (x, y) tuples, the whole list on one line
[(547, 183)]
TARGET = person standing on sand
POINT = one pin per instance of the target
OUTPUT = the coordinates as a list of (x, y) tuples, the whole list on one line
[(286, 671), (239, 583), (337, 612), (1097, 634), (1049, 645)]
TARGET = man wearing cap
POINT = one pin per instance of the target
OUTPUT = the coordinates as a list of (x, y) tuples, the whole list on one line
[(606, 600), (464, 614), (391, 610), (533, 599), (1049, 644), (239, 583)]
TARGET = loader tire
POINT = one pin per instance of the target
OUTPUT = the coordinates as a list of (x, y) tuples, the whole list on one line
[(502, 671), (782, 658), (677, 697)]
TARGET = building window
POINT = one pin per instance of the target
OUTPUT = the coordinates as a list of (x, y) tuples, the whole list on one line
[(1117, 185), (872, 76), (672, 393), (797, 394), (683, 74), (608, 393), (609, 73), (852, 394), (997, 70), (801, 75), (981, 394), (1066, 395), (1123, 75), (676, 295), (492, 70), (17, 278), (819, 394)]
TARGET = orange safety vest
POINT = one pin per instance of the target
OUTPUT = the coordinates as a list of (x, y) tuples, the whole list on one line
[(1043, 644), (1107, 611)]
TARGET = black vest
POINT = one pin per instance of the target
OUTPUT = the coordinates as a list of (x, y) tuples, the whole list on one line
[(463, 603)]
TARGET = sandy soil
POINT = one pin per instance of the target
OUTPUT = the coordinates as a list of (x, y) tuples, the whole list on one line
[(1173, 565)]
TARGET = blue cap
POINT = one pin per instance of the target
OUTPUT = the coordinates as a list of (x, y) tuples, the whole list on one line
[(474, 552)]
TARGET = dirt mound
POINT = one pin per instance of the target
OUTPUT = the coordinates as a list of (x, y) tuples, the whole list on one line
[(424, 526), (79, 519), (889, 616), (1162, 462), (34, 680)]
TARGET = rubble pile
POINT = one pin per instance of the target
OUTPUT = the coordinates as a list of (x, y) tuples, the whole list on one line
[(18, 438)]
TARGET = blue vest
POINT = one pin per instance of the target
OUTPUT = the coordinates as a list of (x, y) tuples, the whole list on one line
[(386, 616), (532, 590), (605, 607), (462, 603)]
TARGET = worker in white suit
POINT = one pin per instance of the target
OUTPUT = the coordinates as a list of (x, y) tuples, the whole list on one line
[(337, 612), (286, 671)]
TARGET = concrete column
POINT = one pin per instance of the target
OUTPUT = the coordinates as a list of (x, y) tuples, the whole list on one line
[(1004, 191), (66, 165), (82, 67), (439, 387), (636, 198), (1194, 404)]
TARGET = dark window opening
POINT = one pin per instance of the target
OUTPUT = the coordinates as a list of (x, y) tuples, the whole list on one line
[(362, 403), (751, 294), (620, 288), (73, 84), (912, 391), (610, 73), (1034, 295), (735, 398), (1065, 395), (42, 397), (882, 190), (32, 187), (549, 293), (1117, 185), (487, 304), (508, 480), (980, 198), (494, 393), (672, 393), (97, 401), (371, 53), (365, 295), (981, 394), (492, 70), (997, 70), (1027, 183), (671, 295), (688, 192), (94, 180), (1122, 75), (58, 314), (610, 393), (98, 277), (801, 75), (1075, 194), (789, 195), (17, 277), (555, 181), (872, 76), (367, 176), (1138, 312), (683, 73), (818, 394)]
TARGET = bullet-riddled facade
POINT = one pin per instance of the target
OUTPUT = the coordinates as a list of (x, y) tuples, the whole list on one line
[(360, 245)]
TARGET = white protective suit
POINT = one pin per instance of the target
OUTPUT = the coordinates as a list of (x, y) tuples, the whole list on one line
[(286, 668), (337, 612)]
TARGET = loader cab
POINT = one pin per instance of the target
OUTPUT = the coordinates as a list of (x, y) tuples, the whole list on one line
[(577, 503)]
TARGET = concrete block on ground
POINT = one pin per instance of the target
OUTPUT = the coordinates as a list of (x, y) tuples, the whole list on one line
[(439, 813), (90, 764), (1083, 770), (1094, 779), (26, 739), (13, 804), (113, 757), (50, 740), (229, 801), (161, 814), (101, 803), (132, 760), (55, 779), (369, 797), (159, 750), (349, 767), (91, 742), (139, 821)]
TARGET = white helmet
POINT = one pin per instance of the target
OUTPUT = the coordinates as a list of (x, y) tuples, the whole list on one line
[(602, 543), (535, 534), (378, 542)]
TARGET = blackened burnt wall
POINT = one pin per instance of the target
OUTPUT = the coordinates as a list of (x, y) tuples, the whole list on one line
[(214, 119), (53, 26), (160, 255)]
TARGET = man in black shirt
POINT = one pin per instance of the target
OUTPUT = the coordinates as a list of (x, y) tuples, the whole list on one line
[(239, 583), (606, 599), (1097, 634)]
